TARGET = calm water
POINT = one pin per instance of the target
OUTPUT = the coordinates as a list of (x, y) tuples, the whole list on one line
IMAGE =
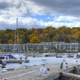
[(41, 60)]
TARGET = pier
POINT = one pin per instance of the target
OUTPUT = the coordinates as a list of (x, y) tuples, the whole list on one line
[(71, 74), (32, 73)]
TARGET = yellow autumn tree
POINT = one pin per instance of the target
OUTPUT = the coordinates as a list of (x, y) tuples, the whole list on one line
[(34, 38)]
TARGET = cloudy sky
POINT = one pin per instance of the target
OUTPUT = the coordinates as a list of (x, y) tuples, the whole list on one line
[(39, 13)]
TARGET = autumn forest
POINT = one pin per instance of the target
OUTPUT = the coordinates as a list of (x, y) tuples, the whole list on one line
[(48, 34)]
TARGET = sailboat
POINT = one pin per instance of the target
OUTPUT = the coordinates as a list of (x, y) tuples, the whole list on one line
[(20, 54)]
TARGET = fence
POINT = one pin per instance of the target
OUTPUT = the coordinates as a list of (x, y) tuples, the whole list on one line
[(48, 47)]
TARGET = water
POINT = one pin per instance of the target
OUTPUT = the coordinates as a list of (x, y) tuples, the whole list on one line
[(44, 60)]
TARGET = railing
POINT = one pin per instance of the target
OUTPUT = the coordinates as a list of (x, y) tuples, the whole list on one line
[(72, 73), (40, 47)]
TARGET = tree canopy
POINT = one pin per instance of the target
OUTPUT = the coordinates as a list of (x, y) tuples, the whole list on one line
[(48, 34)]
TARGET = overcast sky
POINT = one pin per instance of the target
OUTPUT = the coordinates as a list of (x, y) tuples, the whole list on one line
[(39, 13)]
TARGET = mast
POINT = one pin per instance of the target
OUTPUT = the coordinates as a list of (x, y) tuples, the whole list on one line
[(16, 32), (16, 36)]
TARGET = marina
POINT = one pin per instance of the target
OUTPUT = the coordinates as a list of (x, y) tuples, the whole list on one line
[(39, 39), (31, 70), (23, 61)]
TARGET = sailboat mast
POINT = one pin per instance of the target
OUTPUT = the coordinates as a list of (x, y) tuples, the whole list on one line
[(17, 22), (17, 35)]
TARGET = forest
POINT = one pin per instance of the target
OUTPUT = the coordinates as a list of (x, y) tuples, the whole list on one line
[(37, 35)]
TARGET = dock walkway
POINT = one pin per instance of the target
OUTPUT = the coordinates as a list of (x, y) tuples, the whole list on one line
[(32, 73)]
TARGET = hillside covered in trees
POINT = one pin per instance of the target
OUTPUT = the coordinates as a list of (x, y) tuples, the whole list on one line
[(49, 34)]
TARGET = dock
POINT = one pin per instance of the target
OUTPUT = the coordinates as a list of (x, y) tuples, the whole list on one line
[(32, 73), (72, 73)]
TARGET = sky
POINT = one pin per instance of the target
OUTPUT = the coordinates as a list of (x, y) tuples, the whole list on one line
[(39, 13)]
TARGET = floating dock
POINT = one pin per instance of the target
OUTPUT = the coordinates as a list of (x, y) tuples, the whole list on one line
[(31, 73)]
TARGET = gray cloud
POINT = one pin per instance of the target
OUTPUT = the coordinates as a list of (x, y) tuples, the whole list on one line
[(66, 7), (4, 5), (30, 8)]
